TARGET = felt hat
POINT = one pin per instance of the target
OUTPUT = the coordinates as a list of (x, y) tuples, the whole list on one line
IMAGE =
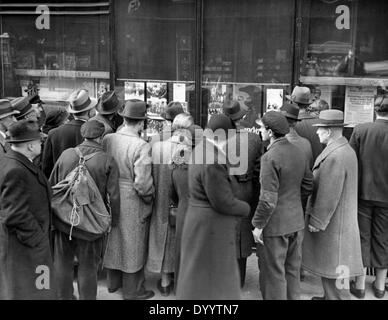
[(330, 118), (233, 110), (220, 121), (81, 102), (172, 110), (23, 105), (290, 111), (6, 109), (301, 95), (134, 109), (109, 103), (24, 131)]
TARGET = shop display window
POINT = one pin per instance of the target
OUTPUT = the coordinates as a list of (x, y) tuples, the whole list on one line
[(73, 52)]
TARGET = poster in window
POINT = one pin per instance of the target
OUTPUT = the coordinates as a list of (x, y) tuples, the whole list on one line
[(274, 99), (359, 105), (179, 94), (156, 98), (134, 90)]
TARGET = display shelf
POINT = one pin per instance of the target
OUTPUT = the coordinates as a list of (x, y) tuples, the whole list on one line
[(63, 73), (344, 81)]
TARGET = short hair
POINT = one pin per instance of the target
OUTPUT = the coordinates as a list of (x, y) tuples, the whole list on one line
[(302, 105), (319, 105), (182, 121), (277, 135), (132, 122), (292, 122)]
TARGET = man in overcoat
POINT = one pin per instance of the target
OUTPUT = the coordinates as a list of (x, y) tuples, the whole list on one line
[(278, 220), (26, 264), (370, 141), (331, 247), (68, 135), (126, 251), (246, 148), (83, 245)]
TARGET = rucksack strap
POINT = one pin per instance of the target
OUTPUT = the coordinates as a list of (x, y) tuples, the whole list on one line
[(83, 158)]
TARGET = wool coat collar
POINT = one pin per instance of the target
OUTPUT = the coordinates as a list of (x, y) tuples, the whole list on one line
[(28, 164), (340, 142), (128, 132)]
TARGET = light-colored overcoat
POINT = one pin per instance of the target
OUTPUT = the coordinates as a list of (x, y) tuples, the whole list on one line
[(332, 208), (127, 243), (161, 246)]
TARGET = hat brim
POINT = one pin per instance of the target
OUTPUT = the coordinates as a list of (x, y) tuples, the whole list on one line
[(5, 115), (329, 124), (288, 116), (133, 118), (289, 98), (93, 104), (41, 136), (239, 115), (102, 112)]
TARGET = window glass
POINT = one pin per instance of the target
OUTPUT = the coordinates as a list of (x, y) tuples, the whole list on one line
[(248, 49)]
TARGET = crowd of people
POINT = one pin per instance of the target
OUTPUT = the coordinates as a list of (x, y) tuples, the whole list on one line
[(190, 204)]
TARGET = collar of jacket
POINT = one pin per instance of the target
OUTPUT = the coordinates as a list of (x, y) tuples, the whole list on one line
[(104, 120), (306, 115), (340, 142), (22, 159), (128, 132), (382, 121), (91, 144), (277, 141), (75, 122)]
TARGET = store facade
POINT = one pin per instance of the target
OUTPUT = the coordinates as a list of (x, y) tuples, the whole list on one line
[(199, 52)]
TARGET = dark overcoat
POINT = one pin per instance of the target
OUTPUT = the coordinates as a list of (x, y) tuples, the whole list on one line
[(306, 130), (59, 139), (208, 266), (336, 249), (247, 147), (25, 226), (370, 141)]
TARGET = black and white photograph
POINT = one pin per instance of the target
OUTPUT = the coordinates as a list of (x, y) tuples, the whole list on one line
[(193, 151)]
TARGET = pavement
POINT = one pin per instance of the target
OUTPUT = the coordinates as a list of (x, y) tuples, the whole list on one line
[(311, 286)]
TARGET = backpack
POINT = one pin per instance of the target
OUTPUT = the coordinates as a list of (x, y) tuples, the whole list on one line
[(78, 202)]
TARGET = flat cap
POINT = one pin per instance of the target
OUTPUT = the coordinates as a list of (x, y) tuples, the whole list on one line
[(92, 129), (276, 121)]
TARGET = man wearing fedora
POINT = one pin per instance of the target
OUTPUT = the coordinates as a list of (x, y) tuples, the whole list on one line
[(278, 219), (126, 251), (370, 141), (303, 98), (25, 219), (85, 246), (68, 135), (26, 111), (249, 150), (7, 117), (331, 247), (107, 109)]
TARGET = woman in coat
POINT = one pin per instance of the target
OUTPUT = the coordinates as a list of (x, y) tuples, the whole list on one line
[(331, 247), (186, 140), (126, 250), (161, 251), (208, 265)]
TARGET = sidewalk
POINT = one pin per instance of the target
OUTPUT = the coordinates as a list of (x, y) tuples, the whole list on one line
[(311, 286)]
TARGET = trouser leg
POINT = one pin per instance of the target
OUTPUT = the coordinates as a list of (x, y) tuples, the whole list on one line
[(242, 265), (64, 265), (114, 279), (272, 257), (89, 257), (293, 265), (133, 284)]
